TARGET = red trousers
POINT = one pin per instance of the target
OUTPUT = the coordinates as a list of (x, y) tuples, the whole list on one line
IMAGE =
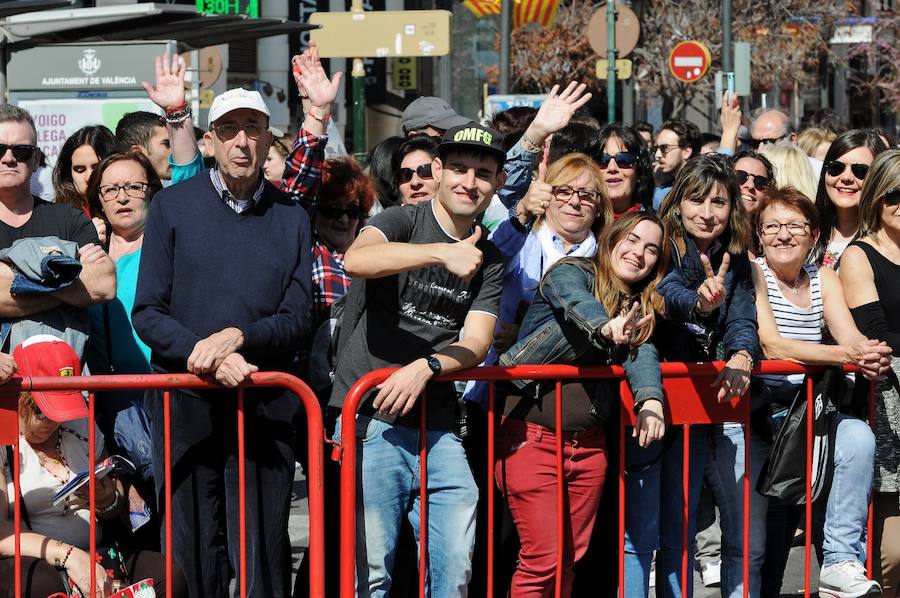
[(526, 474)]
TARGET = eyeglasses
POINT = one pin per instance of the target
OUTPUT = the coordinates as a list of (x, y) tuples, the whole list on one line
[(136, 190), (20, 152), (837, 168), (623, 159), (797, 228), (755, 143), (565, 193), (405, 175), (891, 198), (228, 131), (663, 149), (333, 213), (759, 182)]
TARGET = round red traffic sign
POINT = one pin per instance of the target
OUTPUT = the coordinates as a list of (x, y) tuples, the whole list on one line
[(689, 60)]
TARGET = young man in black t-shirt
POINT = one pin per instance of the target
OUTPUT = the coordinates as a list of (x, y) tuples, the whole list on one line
[(430, 271)]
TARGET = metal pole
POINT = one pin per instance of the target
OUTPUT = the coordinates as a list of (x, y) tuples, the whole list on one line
[(726, 36), (358, 74), (505, 35), (611, 61)]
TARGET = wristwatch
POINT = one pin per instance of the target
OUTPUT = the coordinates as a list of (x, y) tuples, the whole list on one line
[(434, 364)]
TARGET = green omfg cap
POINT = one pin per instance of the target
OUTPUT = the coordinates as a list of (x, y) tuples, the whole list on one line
[(473, 137)]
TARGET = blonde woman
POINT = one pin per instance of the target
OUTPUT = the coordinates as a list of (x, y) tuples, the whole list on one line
[(815, 142), (792, 169), (871, 266), (588, 310)]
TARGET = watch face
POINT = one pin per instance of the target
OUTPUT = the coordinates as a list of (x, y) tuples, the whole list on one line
[(434, 364)]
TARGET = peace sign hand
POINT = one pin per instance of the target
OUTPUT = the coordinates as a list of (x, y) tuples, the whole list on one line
[(712, 290), (621, 329)]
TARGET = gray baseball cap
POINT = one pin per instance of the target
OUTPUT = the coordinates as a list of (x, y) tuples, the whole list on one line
[(429, 111)]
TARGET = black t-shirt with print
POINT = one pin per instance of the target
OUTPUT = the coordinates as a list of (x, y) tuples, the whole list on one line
[(51, 220), (413, 314)]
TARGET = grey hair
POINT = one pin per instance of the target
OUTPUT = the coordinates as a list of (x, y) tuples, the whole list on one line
[(10, 113), (788, 119)]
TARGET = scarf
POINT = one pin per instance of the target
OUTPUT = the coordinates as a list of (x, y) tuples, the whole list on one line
[(551, 247)]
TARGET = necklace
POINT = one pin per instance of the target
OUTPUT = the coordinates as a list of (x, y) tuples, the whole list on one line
[(796, 287), (43, 458)]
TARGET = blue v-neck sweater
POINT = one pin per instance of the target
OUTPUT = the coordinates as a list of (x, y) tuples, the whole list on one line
[(205, 267)]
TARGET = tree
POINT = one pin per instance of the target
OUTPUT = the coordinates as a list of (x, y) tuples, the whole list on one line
[(880, 59)]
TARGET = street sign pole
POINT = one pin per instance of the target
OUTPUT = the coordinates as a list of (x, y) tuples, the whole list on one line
[(726, 36), (358, 75), (505, 35), (611, 61)]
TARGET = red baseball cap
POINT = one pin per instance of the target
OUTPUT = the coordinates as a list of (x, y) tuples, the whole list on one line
[(47, 355)]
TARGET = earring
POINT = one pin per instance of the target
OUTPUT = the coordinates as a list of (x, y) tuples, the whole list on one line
[(678, 213)]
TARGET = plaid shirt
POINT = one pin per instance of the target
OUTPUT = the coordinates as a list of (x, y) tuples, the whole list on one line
[(238, 205), (303, 168), (330, 283)]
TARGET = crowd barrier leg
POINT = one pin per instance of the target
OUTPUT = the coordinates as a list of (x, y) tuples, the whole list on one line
[(560, 493), (92, 488), (167, 447), (685, 508), (423, 497), (242, 489), (807, 563), (624, 391), (870, 523), (745, 540), (489, 488)]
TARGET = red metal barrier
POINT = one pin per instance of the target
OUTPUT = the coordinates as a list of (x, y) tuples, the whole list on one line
[(692, 401), (315, 447)]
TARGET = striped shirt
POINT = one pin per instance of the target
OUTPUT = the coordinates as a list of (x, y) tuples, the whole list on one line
[(238, 205), (796, 323)]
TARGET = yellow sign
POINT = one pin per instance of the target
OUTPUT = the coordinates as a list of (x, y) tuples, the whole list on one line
[(404, 73), (623, 68), (381, 33), (206, 98)]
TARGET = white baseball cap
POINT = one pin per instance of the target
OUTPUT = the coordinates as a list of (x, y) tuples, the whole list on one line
[(234, 99)]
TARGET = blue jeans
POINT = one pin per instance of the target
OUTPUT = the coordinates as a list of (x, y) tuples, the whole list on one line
[(388, 482), (654, 506), (725, 475), (847, 510)]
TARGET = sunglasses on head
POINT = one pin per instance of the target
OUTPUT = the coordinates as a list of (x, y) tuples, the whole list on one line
[(20, 152), (891, 198), (623, 159), (333, 213), (759, 182), (405, 175), (837, 168)]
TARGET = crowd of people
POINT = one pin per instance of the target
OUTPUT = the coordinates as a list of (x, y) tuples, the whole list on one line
[(539, 237)]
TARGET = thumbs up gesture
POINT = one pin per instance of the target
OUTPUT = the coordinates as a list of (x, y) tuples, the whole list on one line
[(463, 258), (538, 197)]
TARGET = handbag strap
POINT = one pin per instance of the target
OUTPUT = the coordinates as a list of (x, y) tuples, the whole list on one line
[(23, 509)]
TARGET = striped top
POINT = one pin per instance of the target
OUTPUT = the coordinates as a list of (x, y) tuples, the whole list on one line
[(797, 323)]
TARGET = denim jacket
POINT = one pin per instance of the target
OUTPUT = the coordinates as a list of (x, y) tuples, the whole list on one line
[(561, 327), (728, 329)]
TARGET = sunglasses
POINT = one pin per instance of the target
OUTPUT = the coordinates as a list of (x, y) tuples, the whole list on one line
[(20, 152), (623, 159), (891, 198), (759, 182), (333, 213), (837, 168), (755, 143), (405, 175), (662, 149), (228, 131)]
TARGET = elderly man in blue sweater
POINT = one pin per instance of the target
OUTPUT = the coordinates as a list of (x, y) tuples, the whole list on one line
[(224, 290)]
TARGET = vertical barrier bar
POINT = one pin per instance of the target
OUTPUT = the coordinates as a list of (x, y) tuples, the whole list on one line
[(423, 499), (623, 422), (242, 489), (489, 488), (167, 448), (809, 444), (560, 492), (685, 509), (746, 538), (870, 519), (92, 491), (17, 514)]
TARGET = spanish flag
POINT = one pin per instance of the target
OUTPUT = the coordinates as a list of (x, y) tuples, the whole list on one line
[(542, 12), (483, 7)]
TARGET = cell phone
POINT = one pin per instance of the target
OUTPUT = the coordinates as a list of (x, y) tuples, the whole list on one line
[(729, 82)]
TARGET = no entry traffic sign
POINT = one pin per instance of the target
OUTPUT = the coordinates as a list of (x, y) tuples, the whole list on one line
[(689, 60)]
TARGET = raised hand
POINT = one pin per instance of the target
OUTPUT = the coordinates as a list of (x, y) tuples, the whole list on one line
[(556, 111), (169, 89), (712, 290), (538, 196), (463, 258), (312, 81), (621, 329)]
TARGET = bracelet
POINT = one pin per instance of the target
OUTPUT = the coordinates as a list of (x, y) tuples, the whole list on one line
[(61, 563), (177, 116), (178, 108), (111, 506), (322, 118), (746, 354), (530, 145)]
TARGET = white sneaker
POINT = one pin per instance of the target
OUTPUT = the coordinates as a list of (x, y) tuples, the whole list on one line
[(651, 582), (711, 574), (846, 579)]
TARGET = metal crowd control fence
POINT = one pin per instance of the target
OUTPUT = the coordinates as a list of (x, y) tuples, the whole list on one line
[(690, 401), (9, 426)]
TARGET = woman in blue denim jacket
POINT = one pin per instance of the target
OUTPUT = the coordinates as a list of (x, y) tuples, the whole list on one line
[(710, 314), (568, 322)]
